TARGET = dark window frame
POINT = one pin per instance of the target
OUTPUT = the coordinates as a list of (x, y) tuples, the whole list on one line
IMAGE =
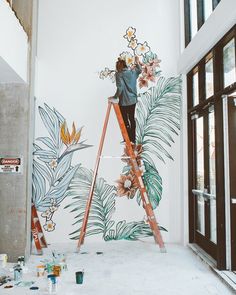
[(200, 17), (218, 250)]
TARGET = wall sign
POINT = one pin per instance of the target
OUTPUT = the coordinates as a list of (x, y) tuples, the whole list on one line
[(11, 165)]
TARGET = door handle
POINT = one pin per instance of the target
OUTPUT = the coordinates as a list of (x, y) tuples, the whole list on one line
[(233, 200)]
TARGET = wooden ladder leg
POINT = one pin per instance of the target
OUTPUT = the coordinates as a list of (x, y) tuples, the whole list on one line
[(38, 226), (89, 201), (36, 237)]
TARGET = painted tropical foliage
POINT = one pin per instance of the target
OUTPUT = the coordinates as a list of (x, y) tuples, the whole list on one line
[(52, 169), (158, 123)]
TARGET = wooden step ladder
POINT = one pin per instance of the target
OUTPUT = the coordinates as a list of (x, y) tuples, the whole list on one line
[(37, 231), (138, 174)]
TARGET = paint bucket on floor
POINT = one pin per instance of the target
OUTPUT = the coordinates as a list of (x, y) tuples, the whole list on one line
[(79, 276), (21, 261), (17, 273), (63, 266), (49, 267), (57, 270), (40, 270), (3, 260), (52, 284)]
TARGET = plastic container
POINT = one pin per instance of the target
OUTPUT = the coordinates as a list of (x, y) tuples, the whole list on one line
[(57, 270), (52, 284), (40, 270), (3, 260), (79, 277), (17, 273)]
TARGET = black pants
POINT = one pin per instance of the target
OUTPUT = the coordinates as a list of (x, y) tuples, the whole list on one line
[(129, 120)]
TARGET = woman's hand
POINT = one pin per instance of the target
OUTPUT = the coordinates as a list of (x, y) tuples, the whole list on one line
[(113, 99), (136, 58)]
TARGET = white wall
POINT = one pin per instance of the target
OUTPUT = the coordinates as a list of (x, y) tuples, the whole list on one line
[(76, 39), (13, 47)]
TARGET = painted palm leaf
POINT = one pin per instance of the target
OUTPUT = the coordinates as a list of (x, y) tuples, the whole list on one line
[(153, 183), (130, 231), (102, 207), (158, 118)]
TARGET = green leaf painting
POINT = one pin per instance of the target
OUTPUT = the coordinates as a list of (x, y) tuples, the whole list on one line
[(130, 231), (153, 183), (103, 203), (158, 119), (157, 126)]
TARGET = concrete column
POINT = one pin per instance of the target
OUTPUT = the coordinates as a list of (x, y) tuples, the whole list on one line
[(14, 142)]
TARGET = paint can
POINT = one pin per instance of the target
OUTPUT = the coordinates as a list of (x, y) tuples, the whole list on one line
[(3, 260), (79, 276), (52, 284), (49, 267), (63, 266), (40, 270), (21, 261), (57, 270), (17, 272)]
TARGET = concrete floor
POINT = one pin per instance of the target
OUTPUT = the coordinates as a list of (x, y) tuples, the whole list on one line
[(126, 268)]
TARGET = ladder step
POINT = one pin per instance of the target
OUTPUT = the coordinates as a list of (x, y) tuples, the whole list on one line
[(114, 157)]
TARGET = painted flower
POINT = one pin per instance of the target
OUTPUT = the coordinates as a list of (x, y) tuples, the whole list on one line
[(143, 82), (127, 57), (141, 49), (53, 206), (123, 55), (133, 43), (101, 75), (127, 186), (130, 33), (150, 77), (49, 225), (47, 214), (53, 164), (147, 70), (129, 60), (155, 63), (112, 76), (67, 137), (138, 149)]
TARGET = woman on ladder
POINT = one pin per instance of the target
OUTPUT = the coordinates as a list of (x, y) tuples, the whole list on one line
[(126, 94)]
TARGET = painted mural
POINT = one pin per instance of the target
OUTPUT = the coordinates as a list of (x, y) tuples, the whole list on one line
[(55, 178)]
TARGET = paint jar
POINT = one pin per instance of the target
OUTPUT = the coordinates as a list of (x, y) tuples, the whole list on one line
[(3, 260), (49, 267), (52, 284), (21, 261), (17, 272), (40, 270), (79, 276), (57, 270), (63, 266)]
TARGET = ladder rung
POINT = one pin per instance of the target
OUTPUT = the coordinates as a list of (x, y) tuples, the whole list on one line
[(114, 157)]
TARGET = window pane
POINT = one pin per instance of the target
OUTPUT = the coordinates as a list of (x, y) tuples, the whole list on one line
[(209, 78), (212, 176), (200, 176), (193, 17), (207, 8), (195, 89), (229, 63)]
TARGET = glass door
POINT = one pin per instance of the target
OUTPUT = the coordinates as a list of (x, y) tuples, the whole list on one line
[(230, 179), (204, 181)]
